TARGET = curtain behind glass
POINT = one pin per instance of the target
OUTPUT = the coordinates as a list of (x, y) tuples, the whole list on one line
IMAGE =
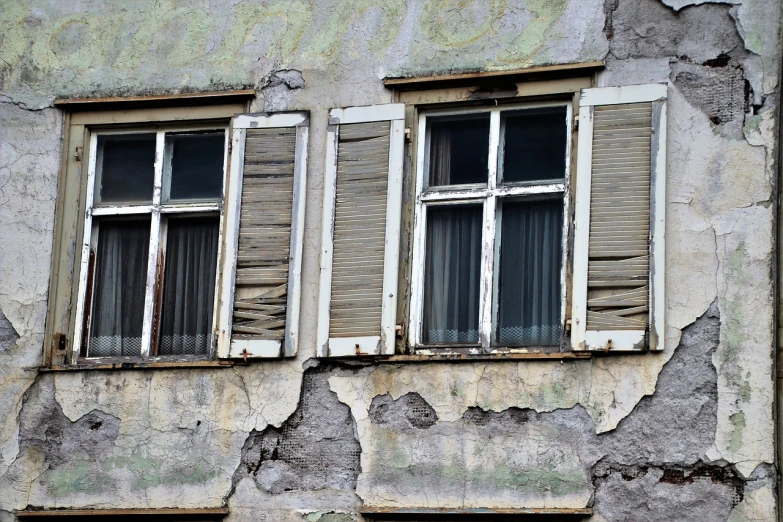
[(530, 261), (189, 286), (459, 149), (440, 158), (452, 274), (119, 285)]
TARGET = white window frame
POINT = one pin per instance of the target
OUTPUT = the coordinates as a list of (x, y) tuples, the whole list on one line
[(157, 235), (486, 195)]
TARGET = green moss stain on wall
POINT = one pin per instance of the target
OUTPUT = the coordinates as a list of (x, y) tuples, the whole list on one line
[(76, 477), (456, 23), (376, 22), (144, 471), (281, 24), (528, 44), (738, 421)]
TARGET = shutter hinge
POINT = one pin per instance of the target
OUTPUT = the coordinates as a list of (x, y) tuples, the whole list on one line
[(78, 155), (576, 124), (407, 134)]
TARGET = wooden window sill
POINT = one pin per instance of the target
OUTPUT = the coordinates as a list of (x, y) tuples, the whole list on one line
[(129, 364)]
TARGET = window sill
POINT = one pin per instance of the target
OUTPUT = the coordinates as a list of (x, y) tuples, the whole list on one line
[(128, 363), (450, 355), (382, 513), (127, 514)]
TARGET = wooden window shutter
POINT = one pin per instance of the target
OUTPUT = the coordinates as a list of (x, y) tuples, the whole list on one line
[(361, 231), (261, 269), (618, 293)]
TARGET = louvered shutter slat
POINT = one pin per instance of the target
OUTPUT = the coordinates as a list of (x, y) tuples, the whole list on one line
[(358, 289), (260, 292), (618, 250)]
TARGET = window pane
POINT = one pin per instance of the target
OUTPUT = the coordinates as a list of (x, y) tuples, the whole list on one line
[(118, 288), (453, 271), (534, 144), (196, 166), (529, 279), (459, 149), (127, 168), (189, 286)]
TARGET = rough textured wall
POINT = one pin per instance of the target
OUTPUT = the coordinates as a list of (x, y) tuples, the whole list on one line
[(684, 433)]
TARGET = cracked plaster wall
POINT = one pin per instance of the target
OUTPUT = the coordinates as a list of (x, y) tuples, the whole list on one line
[(180, 434)]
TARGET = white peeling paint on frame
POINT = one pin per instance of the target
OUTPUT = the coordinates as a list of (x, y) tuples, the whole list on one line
[(154, 250), (620, 340), (231, 237), (297, 241), (486, 195), (327, 232), (78, 333)]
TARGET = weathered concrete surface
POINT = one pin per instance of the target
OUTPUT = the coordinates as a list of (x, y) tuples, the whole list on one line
[(522, 457), (314, 449), (82, 48), (29, 159), (566, 432)]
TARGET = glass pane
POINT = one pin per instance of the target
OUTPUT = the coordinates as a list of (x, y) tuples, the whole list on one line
[(529, 279), (453, 271), (196, 166), (126, 168), (189, 286), (534, 144), (118, 288), (459, 149)]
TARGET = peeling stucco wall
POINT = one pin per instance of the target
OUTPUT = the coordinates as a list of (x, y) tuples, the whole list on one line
[(687, 432)]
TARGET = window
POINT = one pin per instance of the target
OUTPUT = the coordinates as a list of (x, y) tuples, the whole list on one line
[(179, 232), (530, 233), (511, 248), (490, 208), (151, 242)]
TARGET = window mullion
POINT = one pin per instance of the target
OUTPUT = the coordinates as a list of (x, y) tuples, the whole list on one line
[(488, 236), (154, 251)]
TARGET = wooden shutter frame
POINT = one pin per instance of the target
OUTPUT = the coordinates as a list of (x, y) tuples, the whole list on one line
[(620, 340), (384, 343), (263, 348)]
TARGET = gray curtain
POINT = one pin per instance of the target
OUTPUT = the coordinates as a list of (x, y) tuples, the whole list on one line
[(189, 286), (440, 158), (452, 274), (118, 288), (530, 261)]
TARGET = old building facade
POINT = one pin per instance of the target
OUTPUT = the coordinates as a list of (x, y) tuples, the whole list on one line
[(335, 260)]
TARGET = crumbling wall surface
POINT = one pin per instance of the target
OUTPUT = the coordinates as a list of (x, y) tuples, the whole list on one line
[(720, 215), (686, 432), (29, 159), (653, 466)]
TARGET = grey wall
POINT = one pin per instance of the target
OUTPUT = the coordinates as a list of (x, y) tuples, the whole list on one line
[(687, 433)]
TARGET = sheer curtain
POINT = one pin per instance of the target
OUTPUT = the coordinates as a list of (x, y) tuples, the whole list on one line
[(440, 158), (452, 274), (118, 288), (530, 261), (189, 286)]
